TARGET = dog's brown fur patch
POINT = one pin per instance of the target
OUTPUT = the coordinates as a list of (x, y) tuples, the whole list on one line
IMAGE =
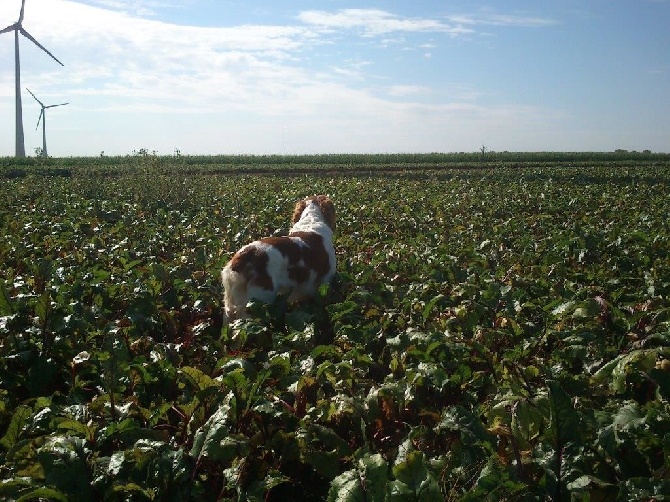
[(252, 263)]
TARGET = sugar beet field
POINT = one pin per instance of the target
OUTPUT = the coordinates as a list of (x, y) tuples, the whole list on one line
[(499, 329)]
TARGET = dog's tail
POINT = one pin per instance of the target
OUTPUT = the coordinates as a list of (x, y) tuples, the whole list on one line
[(235, 293)]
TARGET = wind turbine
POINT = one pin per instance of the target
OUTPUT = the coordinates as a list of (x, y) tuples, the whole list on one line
[(43, 118), (17, 28)]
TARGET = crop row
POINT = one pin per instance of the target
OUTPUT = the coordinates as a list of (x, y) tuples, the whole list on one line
[(144, 162)]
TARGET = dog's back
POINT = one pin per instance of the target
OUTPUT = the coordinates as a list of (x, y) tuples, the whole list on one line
[(297, 263)]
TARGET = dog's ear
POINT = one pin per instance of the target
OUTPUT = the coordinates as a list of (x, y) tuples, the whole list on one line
[(297, 212), (327, 209)]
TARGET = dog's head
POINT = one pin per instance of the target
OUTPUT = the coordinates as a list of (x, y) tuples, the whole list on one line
[(325, 205)]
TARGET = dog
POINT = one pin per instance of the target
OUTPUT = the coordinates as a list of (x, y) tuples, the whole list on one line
[(296, 264)]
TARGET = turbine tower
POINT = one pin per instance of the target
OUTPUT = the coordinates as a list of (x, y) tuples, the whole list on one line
[(43, 118), (17, 28)]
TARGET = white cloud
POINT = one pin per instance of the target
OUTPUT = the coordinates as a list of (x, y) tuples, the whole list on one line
[(493, 19), (353, 71), (374, 22), (659, 70), (408, 90), (135, 82), (143, 8), (115, 55)]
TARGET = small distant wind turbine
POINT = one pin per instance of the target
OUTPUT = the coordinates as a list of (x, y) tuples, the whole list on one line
[(16, 28), (43, 118)]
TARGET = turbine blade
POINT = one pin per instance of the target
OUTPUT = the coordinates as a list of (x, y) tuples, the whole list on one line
[(31, 93), (32, 39), (23, 6), (59, 104), (11, 27), (40, 118)]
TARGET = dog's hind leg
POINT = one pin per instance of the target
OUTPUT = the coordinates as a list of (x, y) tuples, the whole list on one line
[(235, 294)]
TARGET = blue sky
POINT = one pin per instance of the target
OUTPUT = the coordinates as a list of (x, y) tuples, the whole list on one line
[(265, 77)]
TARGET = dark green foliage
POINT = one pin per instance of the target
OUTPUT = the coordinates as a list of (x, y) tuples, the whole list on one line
[(499, 333), (143, 162)]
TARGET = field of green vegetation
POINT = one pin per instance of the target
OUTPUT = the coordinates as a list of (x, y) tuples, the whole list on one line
[(499, 329)]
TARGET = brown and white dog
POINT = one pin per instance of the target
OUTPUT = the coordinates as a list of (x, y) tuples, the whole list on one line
[(296, 264)]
